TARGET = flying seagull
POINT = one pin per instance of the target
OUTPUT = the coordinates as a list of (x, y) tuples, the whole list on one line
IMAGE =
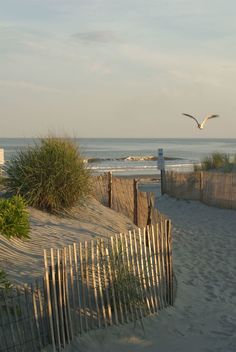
[(201, 125)]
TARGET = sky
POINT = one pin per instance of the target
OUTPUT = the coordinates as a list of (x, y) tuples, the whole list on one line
[(117, 68)]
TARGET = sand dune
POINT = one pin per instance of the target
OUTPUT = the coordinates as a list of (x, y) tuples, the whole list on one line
[(23, 260)]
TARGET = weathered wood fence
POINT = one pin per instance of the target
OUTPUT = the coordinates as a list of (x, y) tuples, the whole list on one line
[(122, 195), (90, 285), (217, 189)]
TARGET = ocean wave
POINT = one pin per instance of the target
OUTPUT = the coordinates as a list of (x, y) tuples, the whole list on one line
[(128, 158)]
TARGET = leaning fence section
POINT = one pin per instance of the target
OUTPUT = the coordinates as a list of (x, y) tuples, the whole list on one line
[(122, 195), (97, 284), (218, 189)]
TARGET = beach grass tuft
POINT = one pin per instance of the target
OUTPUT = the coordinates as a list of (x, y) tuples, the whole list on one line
[(51, 175), (217, 161)]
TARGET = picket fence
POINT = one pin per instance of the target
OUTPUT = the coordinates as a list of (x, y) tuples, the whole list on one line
[(91, 285)]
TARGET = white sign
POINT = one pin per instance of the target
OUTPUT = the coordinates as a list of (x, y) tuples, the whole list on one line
[(160, 161), (1, 156)]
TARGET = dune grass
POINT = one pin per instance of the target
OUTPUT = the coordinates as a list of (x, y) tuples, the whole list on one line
[(51, 175), (218, 161)]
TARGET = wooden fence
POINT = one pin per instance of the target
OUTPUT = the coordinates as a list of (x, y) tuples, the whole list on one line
[(122, 195), (217, 189), (90, 285)]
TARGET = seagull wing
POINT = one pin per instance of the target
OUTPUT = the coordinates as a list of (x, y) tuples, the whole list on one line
[(192, 117), (207, 118)]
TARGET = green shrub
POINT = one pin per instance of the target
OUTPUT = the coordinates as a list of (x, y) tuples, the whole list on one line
[(14, 218), (51, 175)]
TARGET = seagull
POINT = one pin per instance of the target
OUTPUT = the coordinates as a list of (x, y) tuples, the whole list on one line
[(201, 125)]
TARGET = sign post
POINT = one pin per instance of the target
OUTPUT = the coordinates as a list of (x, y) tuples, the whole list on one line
[(161, 167), (1, 159)]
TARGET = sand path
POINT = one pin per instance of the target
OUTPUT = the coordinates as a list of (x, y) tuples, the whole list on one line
[(204, 315)]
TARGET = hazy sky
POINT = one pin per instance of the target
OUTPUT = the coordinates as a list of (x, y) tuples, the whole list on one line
[(117, 68)]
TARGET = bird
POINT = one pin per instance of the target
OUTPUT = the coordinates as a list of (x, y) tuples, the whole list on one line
[(201, 125)]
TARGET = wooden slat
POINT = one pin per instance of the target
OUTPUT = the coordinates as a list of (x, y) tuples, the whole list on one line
[(64, 299), (105, 282), (125, 296), (167, 264), (61, 307), (152, 276), (78, 287), (84, 305), (88, 284), (162, 257), (159, 265), (72, 287), (138, 265), (29, 312), (147, 267), (115, 262), (138, 309), (41, 314), (142, 271), (155, 265), (67, 295), (55, 304), (112, 286), (95, 284), (169, 238), (49, 304), (124, 237), (36, 317), (100, 284)]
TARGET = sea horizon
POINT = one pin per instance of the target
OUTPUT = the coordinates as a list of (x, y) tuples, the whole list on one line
[(127, 156)]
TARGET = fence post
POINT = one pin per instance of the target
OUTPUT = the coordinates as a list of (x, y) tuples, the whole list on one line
[(162, 182), (109, 189), (201, 185), (135, 191)]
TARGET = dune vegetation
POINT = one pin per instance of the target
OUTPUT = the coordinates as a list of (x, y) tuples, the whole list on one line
[(51, 175), (219, 162)]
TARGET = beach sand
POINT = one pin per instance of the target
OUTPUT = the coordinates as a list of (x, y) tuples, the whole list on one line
[(204, 245)]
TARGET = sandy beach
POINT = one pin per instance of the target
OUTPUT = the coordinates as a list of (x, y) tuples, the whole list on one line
[(204, 315)]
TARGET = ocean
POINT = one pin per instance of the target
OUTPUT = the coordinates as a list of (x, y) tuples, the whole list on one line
[(135, 156)]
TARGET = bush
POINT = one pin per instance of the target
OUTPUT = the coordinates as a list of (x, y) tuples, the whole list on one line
[(51, 175), (14, 218)]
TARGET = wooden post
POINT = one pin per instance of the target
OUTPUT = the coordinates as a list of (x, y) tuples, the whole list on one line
[(201, 185), (110, 189), (162, 182), (135, 191)]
